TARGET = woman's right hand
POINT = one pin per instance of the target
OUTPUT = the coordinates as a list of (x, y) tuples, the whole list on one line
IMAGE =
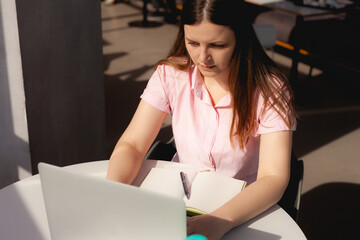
[(129, 152)]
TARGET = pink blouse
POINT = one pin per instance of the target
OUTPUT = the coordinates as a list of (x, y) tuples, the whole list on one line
[(201, 130)]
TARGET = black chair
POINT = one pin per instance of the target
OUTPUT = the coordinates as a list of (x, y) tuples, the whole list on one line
[(162, 151), (290, 201)]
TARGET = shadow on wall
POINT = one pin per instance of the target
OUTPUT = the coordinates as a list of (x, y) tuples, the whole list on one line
[(331, 211), (122, 96), (18, 212), (14, 152)]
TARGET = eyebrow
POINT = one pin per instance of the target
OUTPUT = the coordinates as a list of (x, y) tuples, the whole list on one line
[(188, 39), (216, 42)]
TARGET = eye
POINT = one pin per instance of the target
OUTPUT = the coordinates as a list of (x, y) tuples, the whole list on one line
[(193, 43), (214, 45)]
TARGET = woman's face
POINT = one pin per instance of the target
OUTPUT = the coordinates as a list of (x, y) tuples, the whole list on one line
[(210, 47)]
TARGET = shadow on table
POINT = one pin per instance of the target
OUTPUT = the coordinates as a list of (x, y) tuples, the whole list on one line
[(17, 220), (331, 211), (250, 234), (248, 230)]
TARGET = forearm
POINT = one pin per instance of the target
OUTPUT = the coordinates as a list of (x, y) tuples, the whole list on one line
[(129, 152), (252, 201), (273, 178), (125, 163)]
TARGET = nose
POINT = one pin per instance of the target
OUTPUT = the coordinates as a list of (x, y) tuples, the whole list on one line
[(205, 55)]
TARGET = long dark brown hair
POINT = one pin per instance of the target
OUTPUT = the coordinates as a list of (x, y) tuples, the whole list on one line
[(250, 68)]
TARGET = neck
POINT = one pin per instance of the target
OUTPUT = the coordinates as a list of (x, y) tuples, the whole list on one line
[(220, 81), (217, 88)]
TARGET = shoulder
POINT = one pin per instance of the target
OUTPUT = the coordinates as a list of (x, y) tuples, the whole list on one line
[(169, 72), (277, 89), (178, 60), (269, 96), (274, 105)]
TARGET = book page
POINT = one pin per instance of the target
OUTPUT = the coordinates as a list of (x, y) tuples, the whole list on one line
[(211, 190), (168, 181)]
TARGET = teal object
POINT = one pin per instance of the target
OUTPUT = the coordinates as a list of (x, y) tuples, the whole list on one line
[(196, 237)]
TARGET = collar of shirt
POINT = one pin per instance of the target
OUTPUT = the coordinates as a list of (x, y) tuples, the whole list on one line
[(199, 89)]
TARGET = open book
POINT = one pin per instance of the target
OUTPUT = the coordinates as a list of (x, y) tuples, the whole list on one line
[(207, 190)]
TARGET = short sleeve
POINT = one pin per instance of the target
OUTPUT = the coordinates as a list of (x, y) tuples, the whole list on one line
[(269, 120), (155, 92)]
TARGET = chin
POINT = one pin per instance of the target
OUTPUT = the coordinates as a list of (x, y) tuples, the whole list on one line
[(209, 73)]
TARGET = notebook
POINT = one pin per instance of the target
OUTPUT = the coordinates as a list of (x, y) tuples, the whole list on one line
[(80, 206)]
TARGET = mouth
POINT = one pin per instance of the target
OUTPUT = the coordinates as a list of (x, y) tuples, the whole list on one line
[(206, 67)]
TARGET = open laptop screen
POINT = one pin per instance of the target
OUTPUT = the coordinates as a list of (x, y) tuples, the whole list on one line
[(80, 206)]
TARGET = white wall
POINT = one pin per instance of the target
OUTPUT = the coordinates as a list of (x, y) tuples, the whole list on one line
[(15, 161)]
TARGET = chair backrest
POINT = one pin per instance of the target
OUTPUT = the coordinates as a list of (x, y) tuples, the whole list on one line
[(290, 201), (266, 34), (162, 151)]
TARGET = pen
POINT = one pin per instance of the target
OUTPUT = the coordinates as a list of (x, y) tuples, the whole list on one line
[(183, 180)]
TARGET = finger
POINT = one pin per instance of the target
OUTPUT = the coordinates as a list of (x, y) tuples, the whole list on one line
[(189, 221), (190, 229)]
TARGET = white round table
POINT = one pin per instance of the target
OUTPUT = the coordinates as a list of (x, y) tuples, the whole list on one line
[(23, 216)]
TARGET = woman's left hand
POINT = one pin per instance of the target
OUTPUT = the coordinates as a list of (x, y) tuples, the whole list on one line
[(211, 227)]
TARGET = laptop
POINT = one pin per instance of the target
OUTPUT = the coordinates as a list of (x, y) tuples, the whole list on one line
[(80, 206)]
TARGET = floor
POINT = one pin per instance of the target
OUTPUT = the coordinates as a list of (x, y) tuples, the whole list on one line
[(327, 138)]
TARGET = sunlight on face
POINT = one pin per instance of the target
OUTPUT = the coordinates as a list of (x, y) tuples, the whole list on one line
[(210, 47)]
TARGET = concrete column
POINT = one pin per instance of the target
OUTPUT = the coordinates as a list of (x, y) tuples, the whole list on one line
[(59, 84)]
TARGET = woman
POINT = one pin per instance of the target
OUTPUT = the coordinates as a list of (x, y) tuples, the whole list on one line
[(231, 107)]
